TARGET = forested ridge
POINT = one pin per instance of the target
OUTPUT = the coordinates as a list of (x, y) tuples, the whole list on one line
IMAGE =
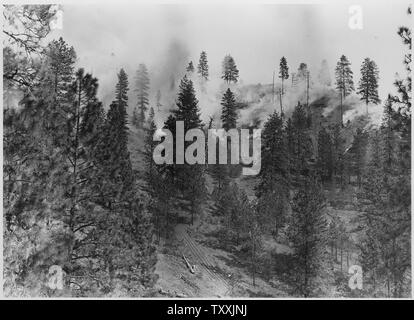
[(78, 193)]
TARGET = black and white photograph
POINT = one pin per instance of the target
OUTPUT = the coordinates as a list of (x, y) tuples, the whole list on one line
[(223, 150)]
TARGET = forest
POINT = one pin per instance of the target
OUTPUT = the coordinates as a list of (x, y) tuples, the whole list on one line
[(81, 190)]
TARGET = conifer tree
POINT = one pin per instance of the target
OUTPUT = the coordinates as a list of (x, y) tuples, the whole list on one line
[(307, 231), (93, 117), (368, 84), (283, 71), (202, 67), (55, 80), (60, 60), (187, 106), (189, 179), (221, 172), (385, 197), (273, 189), (299, 144), (142, 86), (385, 245), (190, 67), (230, 71), (228, 113), (153, 180), (344, 81), (127, 228)]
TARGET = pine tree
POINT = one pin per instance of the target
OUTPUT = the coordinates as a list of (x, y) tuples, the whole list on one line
[(370, 244), (403, 100), (93, 116), (142, 87), (55, 80), (368, 84), (189, 179), (127, 227), (60, 60), (112, 156), (202, 67), (385, 197), (384, 200), (273, 189), (75, 187), (153, 178), (230, 71), (190, 67), (221, 172), (27, 197), (187, 106), (307, 232), (344, 81), (299, 144), (53, 194), (228, 113), (283, 71), (82, 214)]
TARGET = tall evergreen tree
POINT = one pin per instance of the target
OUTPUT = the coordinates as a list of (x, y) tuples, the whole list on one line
[(127, 227), (299, 145), (283, 71), (228, 113), (189, 179), (273, 189), (307, 232), (60, 60), (202, 67), (368, 84), (344, 81), (142, 87), (230, 71), (153, 179), (93, 117), (221, 172), (190, 67), (38, 180), (55, 81)]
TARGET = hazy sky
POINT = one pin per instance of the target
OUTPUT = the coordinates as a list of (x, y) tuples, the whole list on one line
[(108, 37)]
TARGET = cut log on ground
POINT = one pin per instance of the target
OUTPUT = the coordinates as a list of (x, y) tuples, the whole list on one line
[(191, 267)]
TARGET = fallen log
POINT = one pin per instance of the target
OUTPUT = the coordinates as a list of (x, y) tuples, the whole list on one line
[(191, 267)]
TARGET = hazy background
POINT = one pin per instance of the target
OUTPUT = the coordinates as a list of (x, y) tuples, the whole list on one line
[(166, 37)]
